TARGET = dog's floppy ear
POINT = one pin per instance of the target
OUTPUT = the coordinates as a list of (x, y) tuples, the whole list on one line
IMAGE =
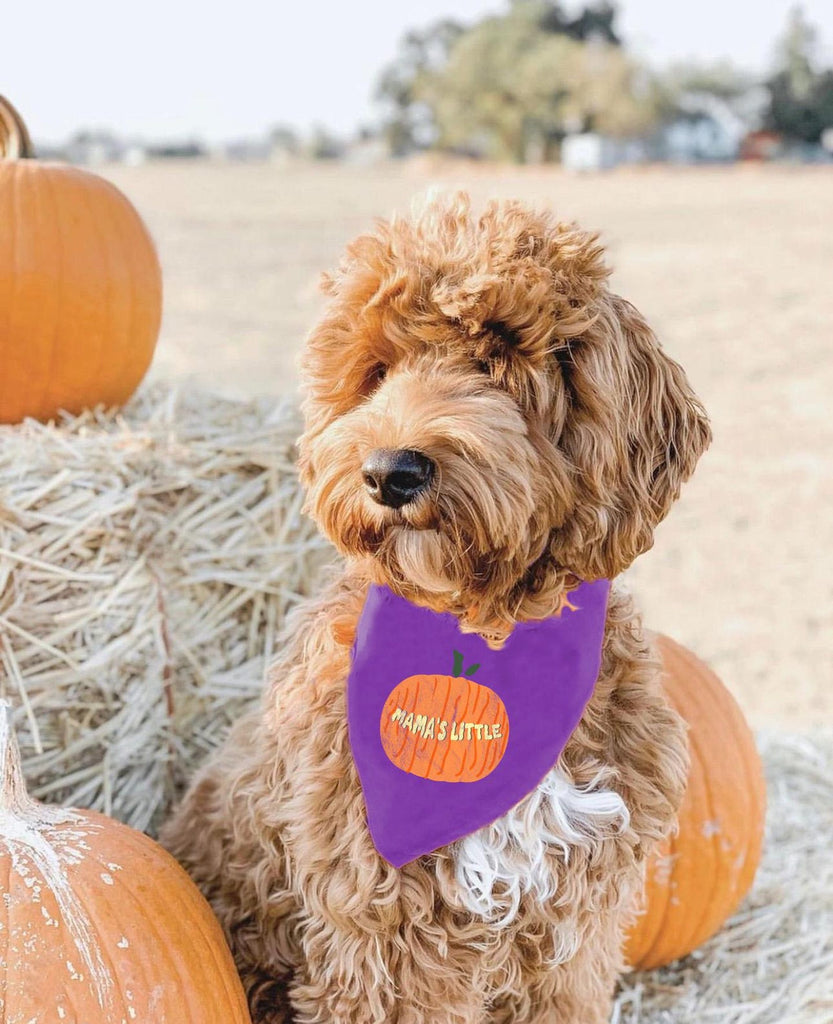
[(633, 432)]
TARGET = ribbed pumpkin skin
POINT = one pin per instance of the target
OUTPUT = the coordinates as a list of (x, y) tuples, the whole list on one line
[(80, 292), (98, 924), (159, 952), (452, 700), (699, 877)]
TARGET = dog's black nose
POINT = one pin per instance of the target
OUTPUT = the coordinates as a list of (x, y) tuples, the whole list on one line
[(393, 477)]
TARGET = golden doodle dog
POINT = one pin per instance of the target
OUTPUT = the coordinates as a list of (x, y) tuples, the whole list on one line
[(487, 426)]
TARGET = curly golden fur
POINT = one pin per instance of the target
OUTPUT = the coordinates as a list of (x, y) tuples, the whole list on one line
[(561, 434)]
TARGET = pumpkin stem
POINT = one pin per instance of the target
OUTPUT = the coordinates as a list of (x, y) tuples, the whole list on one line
[(458, 666), (15, 141), (13, 796)]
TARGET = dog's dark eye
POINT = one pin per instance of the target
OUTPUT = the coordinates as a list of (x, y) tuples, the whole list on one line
[(375, 376), (484, 366)]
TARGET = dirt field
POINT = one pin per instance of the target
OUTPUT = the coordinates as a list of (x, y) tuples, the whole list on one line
[(733, 266)]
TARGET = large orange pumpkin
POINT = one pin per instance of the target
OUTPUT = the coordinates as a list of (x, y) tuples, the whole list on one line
[(444, 728), (80, 286), (98, 924), (698, 877)]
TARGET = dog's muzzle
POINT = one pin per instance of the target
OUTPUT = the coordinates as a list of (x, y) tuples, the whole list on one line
[(394, 477)]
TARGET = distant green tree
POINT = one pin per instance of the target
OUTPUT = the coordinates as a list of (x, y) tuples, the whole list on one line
[(596, 21), (513, 84), (795, 53), (680, 90), (720, 78), (800, 97), (323, 144), (517, 87), (408, 123)]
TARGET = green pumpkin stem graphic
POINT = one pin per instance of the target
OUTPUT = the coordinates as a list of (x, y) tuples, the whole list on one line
[(458, 666)]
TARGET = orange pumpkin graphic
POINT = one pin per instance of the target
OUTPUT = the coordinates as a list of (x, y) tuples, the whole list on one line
[(445, 728)]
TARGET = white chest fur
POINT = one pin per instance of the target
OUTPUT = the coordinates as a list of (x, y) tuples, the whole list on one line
[(517, 854)]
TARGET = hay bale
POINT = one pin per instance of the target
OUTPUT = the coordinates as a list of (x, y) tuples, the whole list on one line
[(147, 561)]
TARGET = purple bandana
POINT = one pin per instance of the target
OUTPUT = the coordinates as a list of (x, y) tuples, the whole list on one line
[(447, 734)]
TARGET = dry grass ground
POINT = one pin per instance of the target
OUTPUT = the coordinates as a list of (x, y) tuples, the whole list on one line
[(734, 268)]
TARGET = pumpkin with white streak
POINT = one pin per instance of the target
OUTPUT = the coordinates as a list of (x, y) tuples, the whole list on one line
[(98, 924)]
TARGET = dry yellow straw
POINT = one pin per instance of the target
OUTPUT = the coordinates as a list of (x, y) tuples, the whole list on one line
[(147, 561)]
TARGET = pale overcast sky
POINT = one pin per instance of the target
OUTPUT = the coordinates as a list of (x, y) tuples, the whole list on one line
[(181, 67)]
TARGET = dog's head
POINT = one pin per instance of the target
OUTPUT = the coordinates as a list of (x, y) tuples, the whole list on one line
[(485, 420)]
